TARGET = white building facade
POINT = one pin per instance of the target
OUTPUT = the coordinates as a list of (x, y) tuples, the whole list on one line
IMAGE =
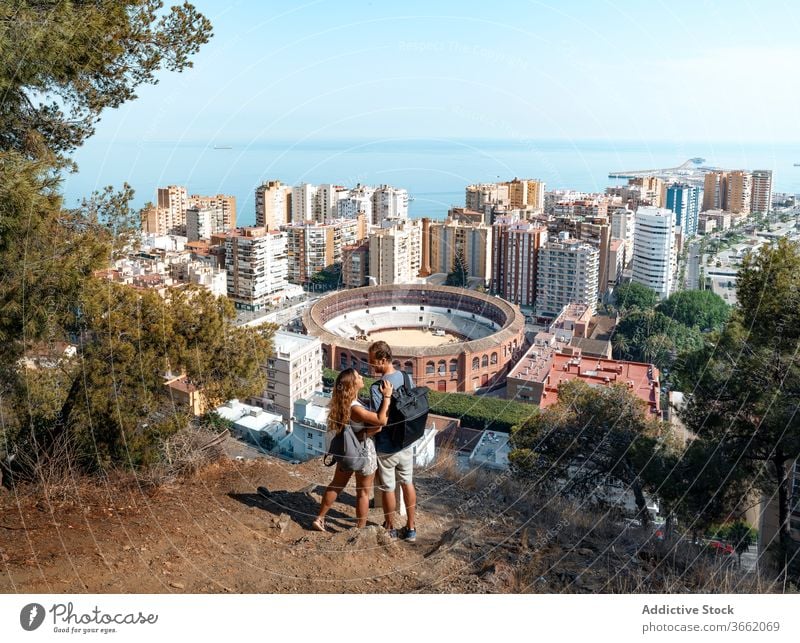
[(654, 250), (568, 272), (257, 268), (395, 253), (293, 372)]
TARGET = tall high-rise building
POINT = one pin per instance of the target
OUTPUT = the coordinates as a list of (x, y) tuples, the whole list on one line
[(395, 253), (201, 223), (684, 200), (478, 196), (168, 216), (568, 272), (355, 265), (536, 191), (273, 205), (653, 190), (225, 203), (157, 221), (715, 189), (255, 260), (739, 192), (761, 200), (303, 197), (293, 371), (525, 194), (515, 252), (389, 203), (654, 249), (359, 199), (473, 240), (326, 200), (313, 247), (175, 199), (622, 227)]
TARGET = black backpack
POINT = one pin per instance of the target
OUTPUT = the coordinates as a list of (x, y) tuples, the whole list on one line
[(408, 414)]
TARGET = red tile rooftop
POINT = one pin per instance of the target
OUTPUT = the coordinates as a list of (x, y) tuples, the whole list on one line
[(642, 379)]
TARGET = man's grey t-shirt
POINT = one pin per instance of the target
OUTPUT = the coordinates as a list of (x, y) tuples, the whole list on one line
[(382, 442)]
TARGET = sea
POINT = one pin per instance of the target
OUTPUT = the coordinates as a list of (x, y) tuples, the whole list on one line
[(434, 171)]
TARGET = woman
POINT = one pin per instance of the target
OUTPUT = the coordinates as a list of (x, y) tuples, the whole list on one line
[(344, 408)]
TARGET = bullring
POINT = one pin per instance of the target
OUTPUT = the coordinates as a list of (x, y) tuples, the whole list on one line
[(448, 339)]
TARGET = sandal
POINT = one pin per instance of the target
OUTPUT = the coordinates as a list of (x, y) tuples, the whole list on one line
[(319, 524)]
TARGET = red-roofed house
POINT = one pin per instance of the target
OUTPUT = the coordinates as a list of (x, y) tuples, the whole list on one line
[(549, 362)]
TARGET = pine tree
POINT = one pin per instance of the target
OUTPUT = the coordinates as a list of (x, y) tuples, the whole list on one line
[(459, 275)]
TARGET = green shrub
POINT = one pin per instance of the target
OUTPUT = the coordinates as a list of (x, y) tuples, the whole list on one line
[(474, 411)]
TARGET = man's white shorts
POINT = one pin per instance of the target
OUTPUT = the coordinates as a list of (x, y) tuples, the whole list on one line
[(394, 468)]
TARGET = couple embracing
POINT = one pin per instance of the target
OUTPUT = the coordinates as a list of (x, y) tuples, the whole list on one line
[(391, 464)]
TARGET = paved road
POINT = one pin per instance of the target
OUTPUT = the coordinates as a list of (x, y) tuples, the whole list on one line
[(692, 281)]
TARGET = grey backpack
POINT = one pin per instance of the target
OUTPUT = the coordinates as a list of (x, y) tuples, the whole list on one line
[(346, 450)]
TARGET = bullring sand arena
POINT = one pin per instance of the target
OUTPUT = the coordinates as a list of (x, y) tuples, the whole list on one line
[(448, 339), (412, 337)]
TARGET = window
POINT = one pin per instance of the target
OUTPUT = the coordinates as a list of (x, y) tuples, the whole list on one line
[(494, 358), (442, 367), (409, 367), (430, 368), (476, 363), (454, 366), (485, 361)]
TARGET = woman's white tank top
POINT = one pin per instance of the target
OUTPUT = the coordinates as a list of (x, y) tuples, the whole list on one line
[(357, 426)]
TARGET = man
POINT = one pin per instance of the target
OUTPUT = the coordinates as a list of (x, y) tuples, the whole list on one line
[(394, 466)]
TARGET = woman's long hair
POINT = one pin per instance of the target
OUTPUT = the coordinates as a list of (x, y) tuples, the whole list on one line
[(345, 391)]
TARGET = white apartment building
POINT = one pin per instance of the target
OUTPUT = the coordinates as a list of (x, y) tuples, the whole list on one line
[(326, 202), (395, 253), (226, 205), (257, 268), (213, 279), (174, 200), (312, 247), (309, 426), (358, 200), (303, 197), (623, 223), (389, 203), (654, 249), (293, 372), (568, 272), (273, 201), (761, 199), (486, 194), (201, 223)]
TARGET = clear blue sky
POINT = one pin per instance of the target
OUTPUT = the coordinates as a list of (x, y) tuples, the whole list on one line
[(695, 71)]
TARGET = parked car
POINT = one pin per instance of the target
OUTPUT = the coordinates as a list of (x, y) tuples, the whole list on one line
[(720, 548)]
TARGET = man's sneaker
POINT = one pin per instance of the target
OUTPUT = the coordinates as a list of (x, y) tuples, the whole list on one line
[(392, 533), (410, 535)]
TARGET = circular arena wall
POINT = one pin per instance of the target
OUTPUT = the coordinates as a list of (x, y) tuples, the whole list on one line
[(471, 338)]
